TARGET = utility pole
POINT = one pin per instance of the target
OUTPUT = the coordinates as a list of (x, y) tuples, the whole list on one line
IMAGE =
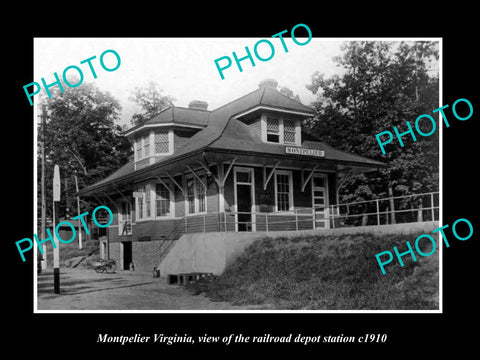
[(44, 205), (78, 212)]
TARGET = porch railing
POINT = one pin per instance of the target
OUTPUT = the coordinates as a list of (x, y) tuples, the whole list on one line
[(380, 211)]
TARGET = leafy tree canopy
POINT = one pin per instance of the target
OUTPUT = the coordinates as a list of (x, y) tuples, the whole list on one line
[(82, 137), (383, 84), (151, 101)]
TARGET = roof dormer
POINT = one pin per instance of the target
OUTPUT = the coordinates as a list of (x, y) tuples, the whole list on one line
[(276, 118), (166, 132)]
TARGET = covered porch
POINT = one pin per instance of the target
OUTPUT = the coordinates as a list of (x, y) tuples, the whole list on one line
[(217, 191), (223, 190)]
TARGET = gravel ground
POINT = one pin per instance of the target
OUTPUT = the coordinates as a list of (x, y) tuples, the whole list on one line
[(84, 289)]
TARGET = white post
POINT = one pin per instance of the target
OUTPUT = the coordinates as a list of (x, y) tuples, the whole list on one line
[(431, 205), (296, 219), (44, 203), (378, 213), (56, 250), (332, 211)]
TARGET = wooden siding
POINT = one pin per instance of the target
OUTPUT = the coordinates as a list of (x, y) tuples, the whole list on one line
[(161, 229), (265, 199), (256, 128)]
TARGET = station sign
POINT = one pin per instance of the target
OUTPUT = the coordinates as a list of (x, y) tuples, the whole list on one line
[(304, 151)]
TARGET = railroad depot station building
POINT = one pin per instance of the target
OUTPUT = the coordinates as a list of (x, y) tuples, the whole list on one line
[(243, 167)]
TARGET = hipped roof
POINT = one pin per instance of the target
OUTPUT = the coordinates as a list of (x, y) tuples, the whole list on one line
[(224, 132), (175, 115)]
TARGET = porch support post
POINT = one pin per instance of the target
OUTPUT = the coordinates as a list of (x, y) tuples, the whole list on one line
[(228, 171), (222, 177), (90, 227), (108, 237), (305, 181), (100, 201), (266, 179), (221, 188)]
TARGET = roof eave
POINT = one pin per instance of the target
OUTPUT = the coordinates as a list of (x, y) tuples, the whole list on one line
[(275, 108), (140, 173), (372, 164), (130, 133)]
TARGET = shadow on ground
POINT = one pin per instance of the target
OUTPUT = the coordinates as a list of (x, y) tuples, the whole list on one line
[(71, 285)]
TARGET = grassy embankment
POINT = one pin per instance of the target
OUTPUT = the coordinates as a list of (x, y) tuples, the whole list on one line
[(328, 272)]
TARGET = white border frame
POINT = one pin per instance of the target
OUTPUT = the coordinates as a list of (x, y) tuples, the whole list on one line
[(437, 311)]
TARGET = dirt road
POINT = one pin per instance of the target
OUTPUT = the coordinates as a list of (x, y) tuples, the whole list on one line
[(84, 289)]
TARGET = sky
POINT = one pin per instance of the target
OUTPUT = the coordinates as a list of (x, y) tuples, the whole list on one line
[(184, 68)]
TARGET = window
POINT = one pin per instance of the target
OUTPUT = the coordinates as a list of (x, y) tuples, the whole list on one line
[(146, 146), (142, 147), (191, 195), (148, 203), (158, 142), (138, 148), (162, 200), (144, 209), (289, 131), (140, 212), (281, 131), (155, 202), (196, 195), (283, 191), (273, 130), (161, 142), (244, 176), (200, 189)]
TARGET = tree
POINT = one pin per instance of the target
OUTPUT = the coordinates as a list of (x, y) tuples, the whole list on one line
[(270, 82), (81, 136), (384, 84), (150, 100)]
